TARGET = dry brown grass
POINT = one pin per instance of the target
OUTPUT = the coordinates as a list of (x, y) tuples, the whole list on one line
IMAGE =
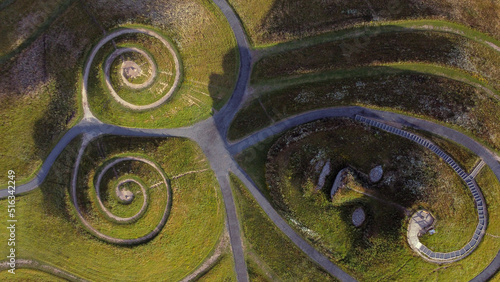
[(405, 46), (39, 90)]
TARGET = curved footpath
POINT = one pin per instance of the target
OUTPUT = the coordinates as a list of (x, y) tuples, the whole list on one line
[(39, 266), (210, 134), (224, 117)]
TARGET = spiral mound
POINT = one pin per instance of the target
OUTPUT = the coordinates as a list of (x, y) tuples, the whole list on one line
[(127, 202), (141, 68)]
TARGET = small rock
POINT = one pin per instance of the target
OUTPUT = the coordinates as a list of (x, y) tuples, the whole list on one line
[(322, 177), (337, 182), (358, 217), (376, 174)]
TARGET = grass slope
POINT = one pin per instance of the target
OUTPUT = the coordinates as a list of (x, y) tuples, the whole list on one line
[(400, 88), (270, 255), (269, 22)]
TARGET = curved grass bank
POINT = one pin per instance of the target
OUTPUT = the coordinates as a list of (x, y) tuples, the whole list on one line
[(195, 223), (268, 22), (269, 253), (409, 89), (383, 46)]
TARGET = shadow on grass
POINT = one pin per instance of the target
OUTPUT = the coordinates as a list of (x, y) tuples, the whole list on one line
[(302, 18), (216, 88)]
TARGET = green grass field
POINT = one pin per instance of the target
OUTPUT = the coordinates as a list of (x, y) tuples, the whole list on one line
[(395, 260), (401, 89), (270, 255), (192, 231)]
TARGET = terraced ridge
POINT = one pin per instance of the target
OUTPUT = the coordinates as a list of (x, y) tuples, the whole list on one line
[(163, 91), (365, 47)]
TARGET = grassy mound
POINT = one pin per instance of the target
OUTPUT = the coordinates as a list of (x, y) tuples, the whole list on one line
[(455, 103), (192, 231), (104, 105), (273, 21), (207, 50), (377, 250), (270, 255)]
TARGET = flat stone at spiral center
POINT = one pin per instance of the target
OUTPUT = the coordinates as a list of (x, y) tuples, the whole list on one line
[(131, 69)]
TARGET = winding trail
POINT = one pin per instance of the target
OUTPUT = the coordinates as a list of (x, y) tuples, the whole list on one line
[(210, 134), (36, 265)]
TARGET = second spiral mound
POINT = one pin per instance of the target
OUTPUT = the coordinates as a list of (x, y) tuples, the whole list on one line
[(122, 198)]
